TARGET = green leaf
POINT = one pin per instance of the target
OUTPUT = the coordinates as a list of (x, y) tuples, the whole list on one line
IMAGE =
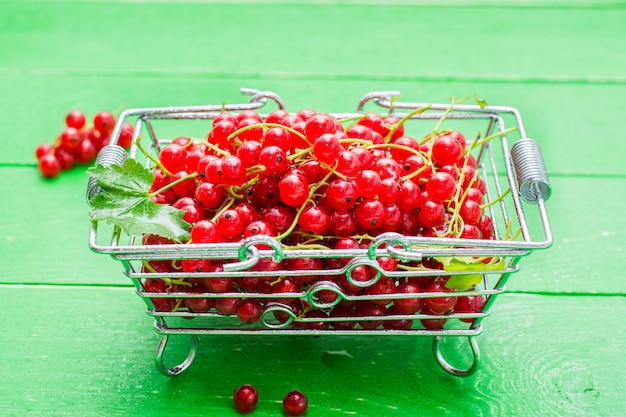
[(463, 282), (467, 264), (126, 202), (481, 101)]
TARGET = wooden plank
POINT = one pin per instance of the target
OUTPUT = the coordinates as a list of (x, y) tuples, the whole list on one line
[(236, 40), (49, 227), (474, 3), (588, 251), (45, 230), (562, 117), (89, 351)]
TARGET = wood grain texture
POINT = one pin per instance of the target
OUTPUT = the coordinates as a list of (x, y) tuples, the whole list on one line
[(89, 351), (565, 119), (343, 41), (75, 340)]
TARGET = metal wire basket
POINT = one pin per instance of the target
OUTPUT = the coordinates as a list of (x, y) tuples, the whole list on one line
[(516, 183)]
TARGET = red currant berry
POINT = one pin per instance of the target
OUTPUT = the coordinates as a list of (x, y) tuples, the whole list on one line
[(204, 231), (276, 116), (249, 311), (367, 309), (245, 398), (326, 148), (410, 196), (274, 159), (265, 192), (252, 133), (470, 211), (295, 403), (342, 223), (431, 214), (402, 154), (439, 305), (348, 163), (431, 324), (43, 149), (208, 194), (49, 166), (230, 224), (389, 190), (441, 186), (75, 119), (248, 114), (125, 138), (104, 122), (314, 220), (368, 183), (358, 131), (370, 214), (469, 305), (233, 171), (277, 137), (186, 188), (412, 303), (249, 152), (293, 189), (173, 157), (279, 217), (85, 152), (341, 194), (446, 150), (318, 125), (70, 138)]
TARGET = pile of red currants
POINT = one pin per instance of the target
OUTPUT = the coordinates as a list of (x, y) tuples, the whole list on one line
[(311, 180), (79, 143)]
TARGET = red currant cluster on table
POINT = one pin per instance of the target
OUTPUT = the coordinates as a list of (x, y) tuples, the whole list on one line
[(310, 180), (79, 143)]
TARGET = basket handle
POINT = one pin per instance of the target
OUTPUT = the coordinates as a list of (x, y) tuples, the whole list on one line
[(108, 155), (532, 177)]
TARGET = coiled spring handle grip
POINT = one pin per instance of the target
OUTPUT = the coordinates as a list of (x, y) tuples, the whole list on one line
[(532, 177)]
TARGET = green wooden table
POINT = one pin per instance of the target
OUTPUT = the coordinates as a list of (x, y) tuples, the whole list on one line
[(75, 338)]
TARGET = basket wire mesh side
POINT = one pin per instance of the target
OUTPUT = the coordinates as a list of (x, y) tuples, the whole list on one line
[(516, 183)]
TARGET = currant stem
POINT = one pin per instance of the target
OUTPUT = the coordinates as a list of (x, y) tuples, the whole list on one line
[(496, 200), (172, 184), (257, 125), (486, 139), (228, 202), (152, 158), (355, 140), (214, 148), (300, 153), (393, 130)]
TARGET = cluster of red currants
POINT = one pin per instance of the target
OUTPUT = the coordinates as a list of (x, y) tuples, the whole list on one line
[(311, 182), (79, 143)]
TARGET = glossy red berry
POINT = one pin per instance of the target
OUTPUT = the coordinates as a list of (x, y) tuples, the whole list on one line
[(49, 166), (245, 398), (75, 119), (295, 403), (104, 122)]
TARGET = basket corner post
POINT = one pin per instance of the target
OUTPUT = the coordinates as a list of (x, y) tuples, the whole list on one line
[(183, 366), (449, 368)]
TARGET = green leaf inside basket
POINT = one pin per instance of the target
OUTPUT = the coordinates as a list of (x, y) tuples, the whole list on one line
[(126, 202)]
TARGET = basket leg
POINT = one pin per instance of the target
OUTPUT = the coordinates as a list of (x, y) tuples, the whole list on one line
[(178, 369), (451, 369)]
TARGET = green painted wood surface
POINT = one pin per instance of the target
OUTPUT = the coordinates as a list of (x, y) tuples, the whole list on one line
[(75, 338), (539, 357)]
